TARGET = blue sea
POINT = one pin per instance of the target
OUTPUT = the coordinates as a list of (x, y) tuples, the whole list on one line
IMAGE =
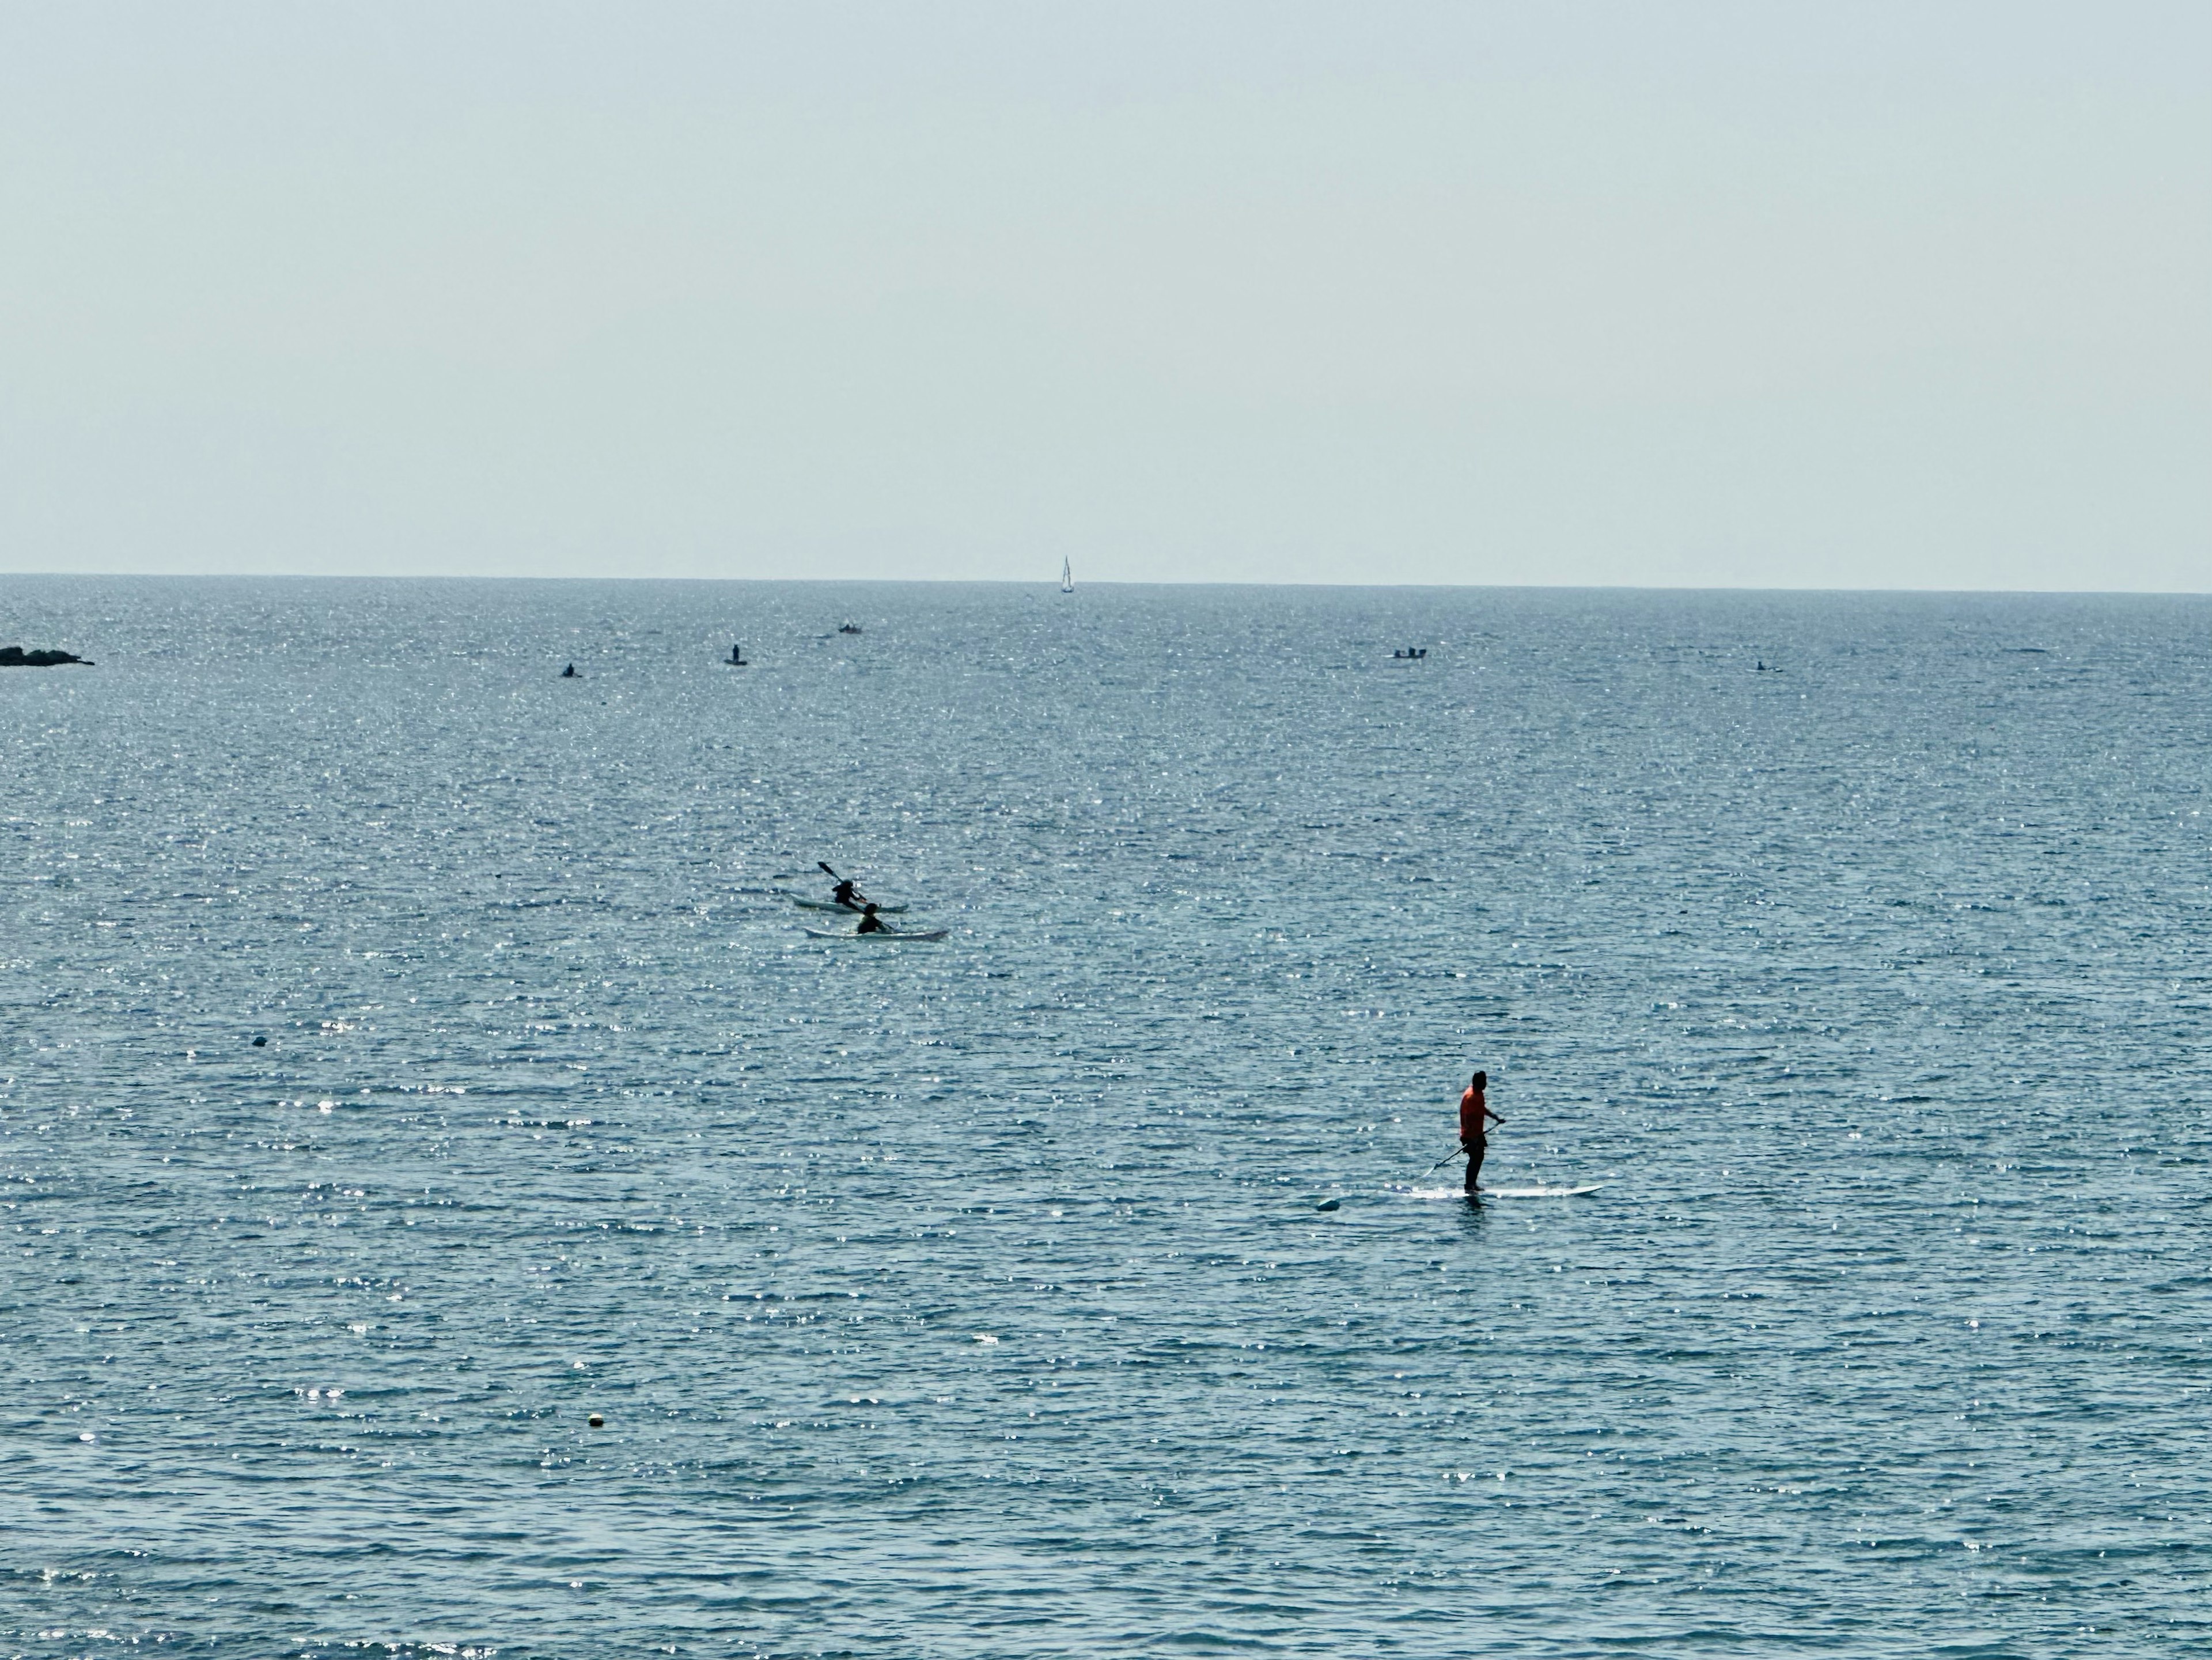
[(978, 1298)]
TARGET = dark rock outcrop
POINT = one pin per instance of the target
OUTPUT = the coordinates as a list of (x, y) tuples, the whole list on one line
[(15, 657)]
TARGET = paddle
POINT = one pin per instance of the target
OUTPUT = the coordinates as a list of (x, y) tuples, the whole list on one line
[(1442, 1162), (1455, 1153), (834, 877)]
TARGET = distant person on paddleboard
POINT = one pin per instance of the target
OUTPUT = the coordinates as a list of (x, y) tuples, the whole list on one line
[(870, 922), (1471, 1112)]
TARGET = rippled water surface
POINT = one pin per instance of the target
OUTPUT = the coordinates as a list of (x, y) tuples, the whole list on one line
[(976, 1299)]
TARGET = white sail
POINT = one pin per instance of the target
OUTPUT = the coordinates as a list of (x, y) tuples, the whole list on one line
[(1067, 577)]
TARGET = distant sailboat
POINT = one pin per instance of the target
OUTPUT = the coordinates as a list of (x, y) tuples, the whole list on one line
[(1067, 577)]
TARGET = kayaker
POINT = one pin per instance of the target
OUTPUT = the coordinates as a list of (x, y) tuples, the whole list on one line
[(1471, 1111), (848, 894), (870, 922)]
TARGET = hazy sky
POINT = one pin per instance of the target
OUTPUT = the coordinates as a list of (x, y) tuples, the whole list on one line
[(1774, 295)]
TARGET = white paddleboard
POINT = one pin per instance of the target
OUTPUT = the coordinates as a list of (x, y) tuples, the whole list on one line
[(1457, 1192)]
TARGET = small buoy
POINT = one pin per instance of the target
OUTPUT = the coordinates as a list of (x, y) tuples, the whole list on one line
[(261, 1043), (596, 1421), (1328, 1204)]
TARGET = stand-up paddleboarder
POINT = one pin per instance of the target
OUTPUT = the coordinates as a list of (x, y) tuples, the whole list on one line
[(1471, 1112)]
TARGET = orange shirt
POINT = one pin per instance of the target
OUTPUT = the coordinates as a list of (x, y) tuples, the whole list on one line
[(1470, 1115)]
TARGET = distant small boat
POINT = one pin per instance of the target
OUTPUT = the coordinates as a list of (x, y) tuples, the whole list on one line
[(1067, 577), (849, 628)]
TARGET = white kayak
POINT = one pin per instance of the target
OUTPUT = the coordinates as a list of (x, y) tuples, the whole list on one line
[(831, 904), (878, 933)]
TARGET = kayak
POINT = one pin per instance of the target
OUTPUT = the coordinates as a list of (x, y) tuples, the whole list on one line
[(831, 904), (879, 933)]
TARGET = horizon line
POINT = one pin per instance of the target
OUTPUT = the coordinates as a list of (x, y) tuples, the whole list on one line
[(1053, 583)]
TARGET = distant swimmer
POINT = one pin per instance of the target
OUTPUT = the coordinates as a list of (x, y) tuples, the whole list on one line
[(569, 673), (1472, 1135), (870, 922)]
